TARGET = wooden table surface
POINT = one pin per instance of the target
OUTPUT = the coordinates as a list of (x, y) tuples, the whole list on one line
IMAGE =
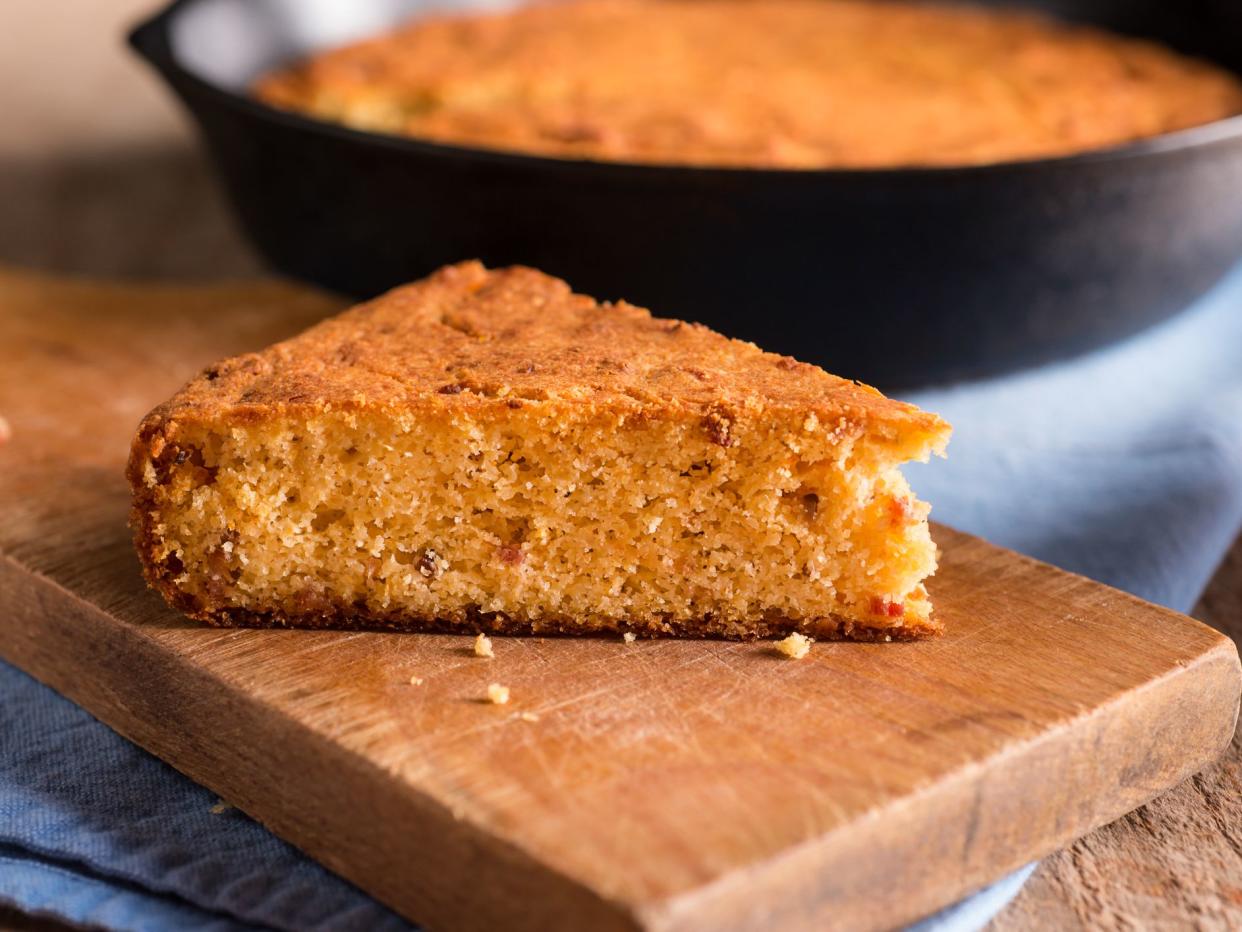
[(99, 175)]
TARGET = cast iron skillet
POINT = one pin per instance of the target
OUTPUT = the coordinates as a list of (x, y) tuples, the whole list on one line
[(896, 277)]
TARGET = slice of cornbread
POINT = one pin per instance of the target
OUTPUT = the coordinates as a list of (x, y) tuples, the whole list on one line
[(485, 450)]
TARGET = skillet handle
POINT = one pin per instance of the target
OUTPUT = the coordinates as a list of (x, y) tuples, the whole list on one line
[(150, 37)]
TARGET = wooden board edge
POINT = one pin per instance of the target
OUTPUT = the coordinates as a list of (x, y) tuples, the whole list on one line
[(343, 811), (802, 889), (977, 826)]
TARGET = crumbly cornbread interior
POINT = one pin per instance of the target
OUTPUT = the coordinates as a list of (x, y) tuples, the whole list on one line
[(487, 450), (646, 528)]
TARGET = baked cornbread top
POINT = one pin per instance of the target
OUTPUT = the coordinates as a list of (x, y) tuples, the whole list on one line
[(776, 83), (469, 338)]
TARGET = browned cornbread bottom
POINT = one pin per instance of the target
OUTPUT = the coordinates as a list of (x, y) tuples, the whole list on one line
[(487, 450)]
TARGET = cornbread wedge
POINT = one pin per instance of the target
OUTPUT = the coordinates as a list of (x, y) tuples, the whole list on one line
[(485, 450)]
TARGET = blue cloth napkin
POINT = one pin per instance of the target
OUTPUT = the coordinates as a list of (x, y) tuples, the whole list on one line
[(1125, 466)]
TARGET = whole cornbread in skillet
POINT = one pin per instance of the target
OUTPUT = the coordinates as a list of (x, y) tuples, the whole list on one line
[(760, 83), (486, 450)]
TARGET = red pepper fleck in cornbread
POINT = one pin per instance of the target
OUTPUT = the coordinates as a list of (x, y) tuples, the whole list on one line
[(486, 450)]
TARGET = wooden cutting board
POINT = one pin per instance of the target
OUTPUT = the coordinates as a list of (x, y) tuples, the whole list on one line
[(658, 785)]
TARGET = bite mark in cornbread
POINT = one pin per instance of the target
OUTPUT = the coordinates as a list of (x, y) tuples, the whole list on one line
[(487, 451)]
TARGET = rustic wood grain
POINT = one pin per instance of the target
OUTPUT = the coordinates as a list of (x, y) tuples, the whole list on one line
[(1172, 864), (665, 785)]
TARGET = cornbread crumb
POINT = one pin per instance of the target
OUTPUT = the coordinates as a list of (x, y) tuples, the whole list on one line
[(795, 647), (483, 646), (220, 807), (497, 694), (416, 681), (529, 717), (629, 637)]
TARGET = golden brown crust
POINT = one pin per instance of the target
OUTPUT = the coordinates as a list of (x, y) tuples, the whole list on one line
[(471, 338), (727, 82)]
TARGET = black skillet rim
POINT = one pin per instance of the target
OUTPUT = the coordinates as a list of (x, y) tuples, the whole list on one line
[(150, 38)]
